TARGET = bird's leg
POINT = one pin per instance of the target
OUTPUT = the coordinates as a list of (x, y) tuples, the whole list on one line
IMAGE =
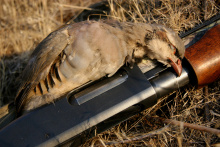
[(129, 60)]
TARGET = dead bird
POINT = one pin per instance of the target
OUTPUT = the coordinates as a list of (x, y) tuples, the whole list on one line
[(89, 50)]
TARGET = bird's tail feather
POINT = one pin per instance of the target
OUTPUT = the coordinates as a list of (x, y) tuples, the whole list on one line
[(7, 114)]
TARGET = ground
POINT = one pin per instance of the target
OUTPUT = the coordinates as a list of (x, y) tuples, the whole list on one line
[(23, 24)]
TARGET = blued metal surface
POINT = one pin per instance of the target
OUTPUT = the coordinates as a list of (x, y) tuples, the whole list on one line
[(167, 82), (53, 125), (56, 123), (155, 71), (209, 22), (97, 89), (159, 78)]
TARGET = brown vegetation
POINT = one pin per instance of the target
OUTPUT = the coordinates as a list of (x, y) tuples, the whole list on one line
[(23, 24)]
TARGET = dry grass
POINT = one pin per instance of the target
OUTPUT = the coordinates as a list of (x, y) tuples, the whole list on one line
[(23, 24)]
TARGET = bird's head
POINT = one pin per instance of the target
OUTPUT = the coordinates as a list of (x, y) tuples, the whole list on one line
[(165, 46)]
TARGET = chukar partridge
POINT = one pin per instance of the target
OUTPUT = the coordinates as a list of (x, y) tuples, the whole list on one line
[(89, 50)]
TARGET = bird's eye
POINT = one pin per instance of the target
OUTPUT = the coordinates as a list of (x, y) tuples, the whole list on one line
[(173, 48)]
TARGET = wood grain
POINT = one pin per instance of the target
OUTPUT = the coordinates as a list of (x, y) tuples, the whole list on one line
[(204, 57)]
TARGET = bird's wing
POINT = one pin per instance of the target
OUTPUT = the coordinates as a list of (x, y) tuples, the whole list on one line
[(42, 59), (87, 46)]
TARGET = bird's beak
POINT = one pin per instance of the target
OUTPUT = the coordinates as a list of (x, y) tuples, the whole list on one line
[(176, 66)]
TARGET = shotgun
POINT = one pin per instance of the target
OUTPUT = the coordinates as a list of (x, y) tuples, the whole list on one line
[(101, 105)]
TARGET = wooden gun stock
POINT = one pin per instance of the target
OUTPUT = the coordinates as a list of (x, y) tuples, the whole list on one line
[(204, 57)]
